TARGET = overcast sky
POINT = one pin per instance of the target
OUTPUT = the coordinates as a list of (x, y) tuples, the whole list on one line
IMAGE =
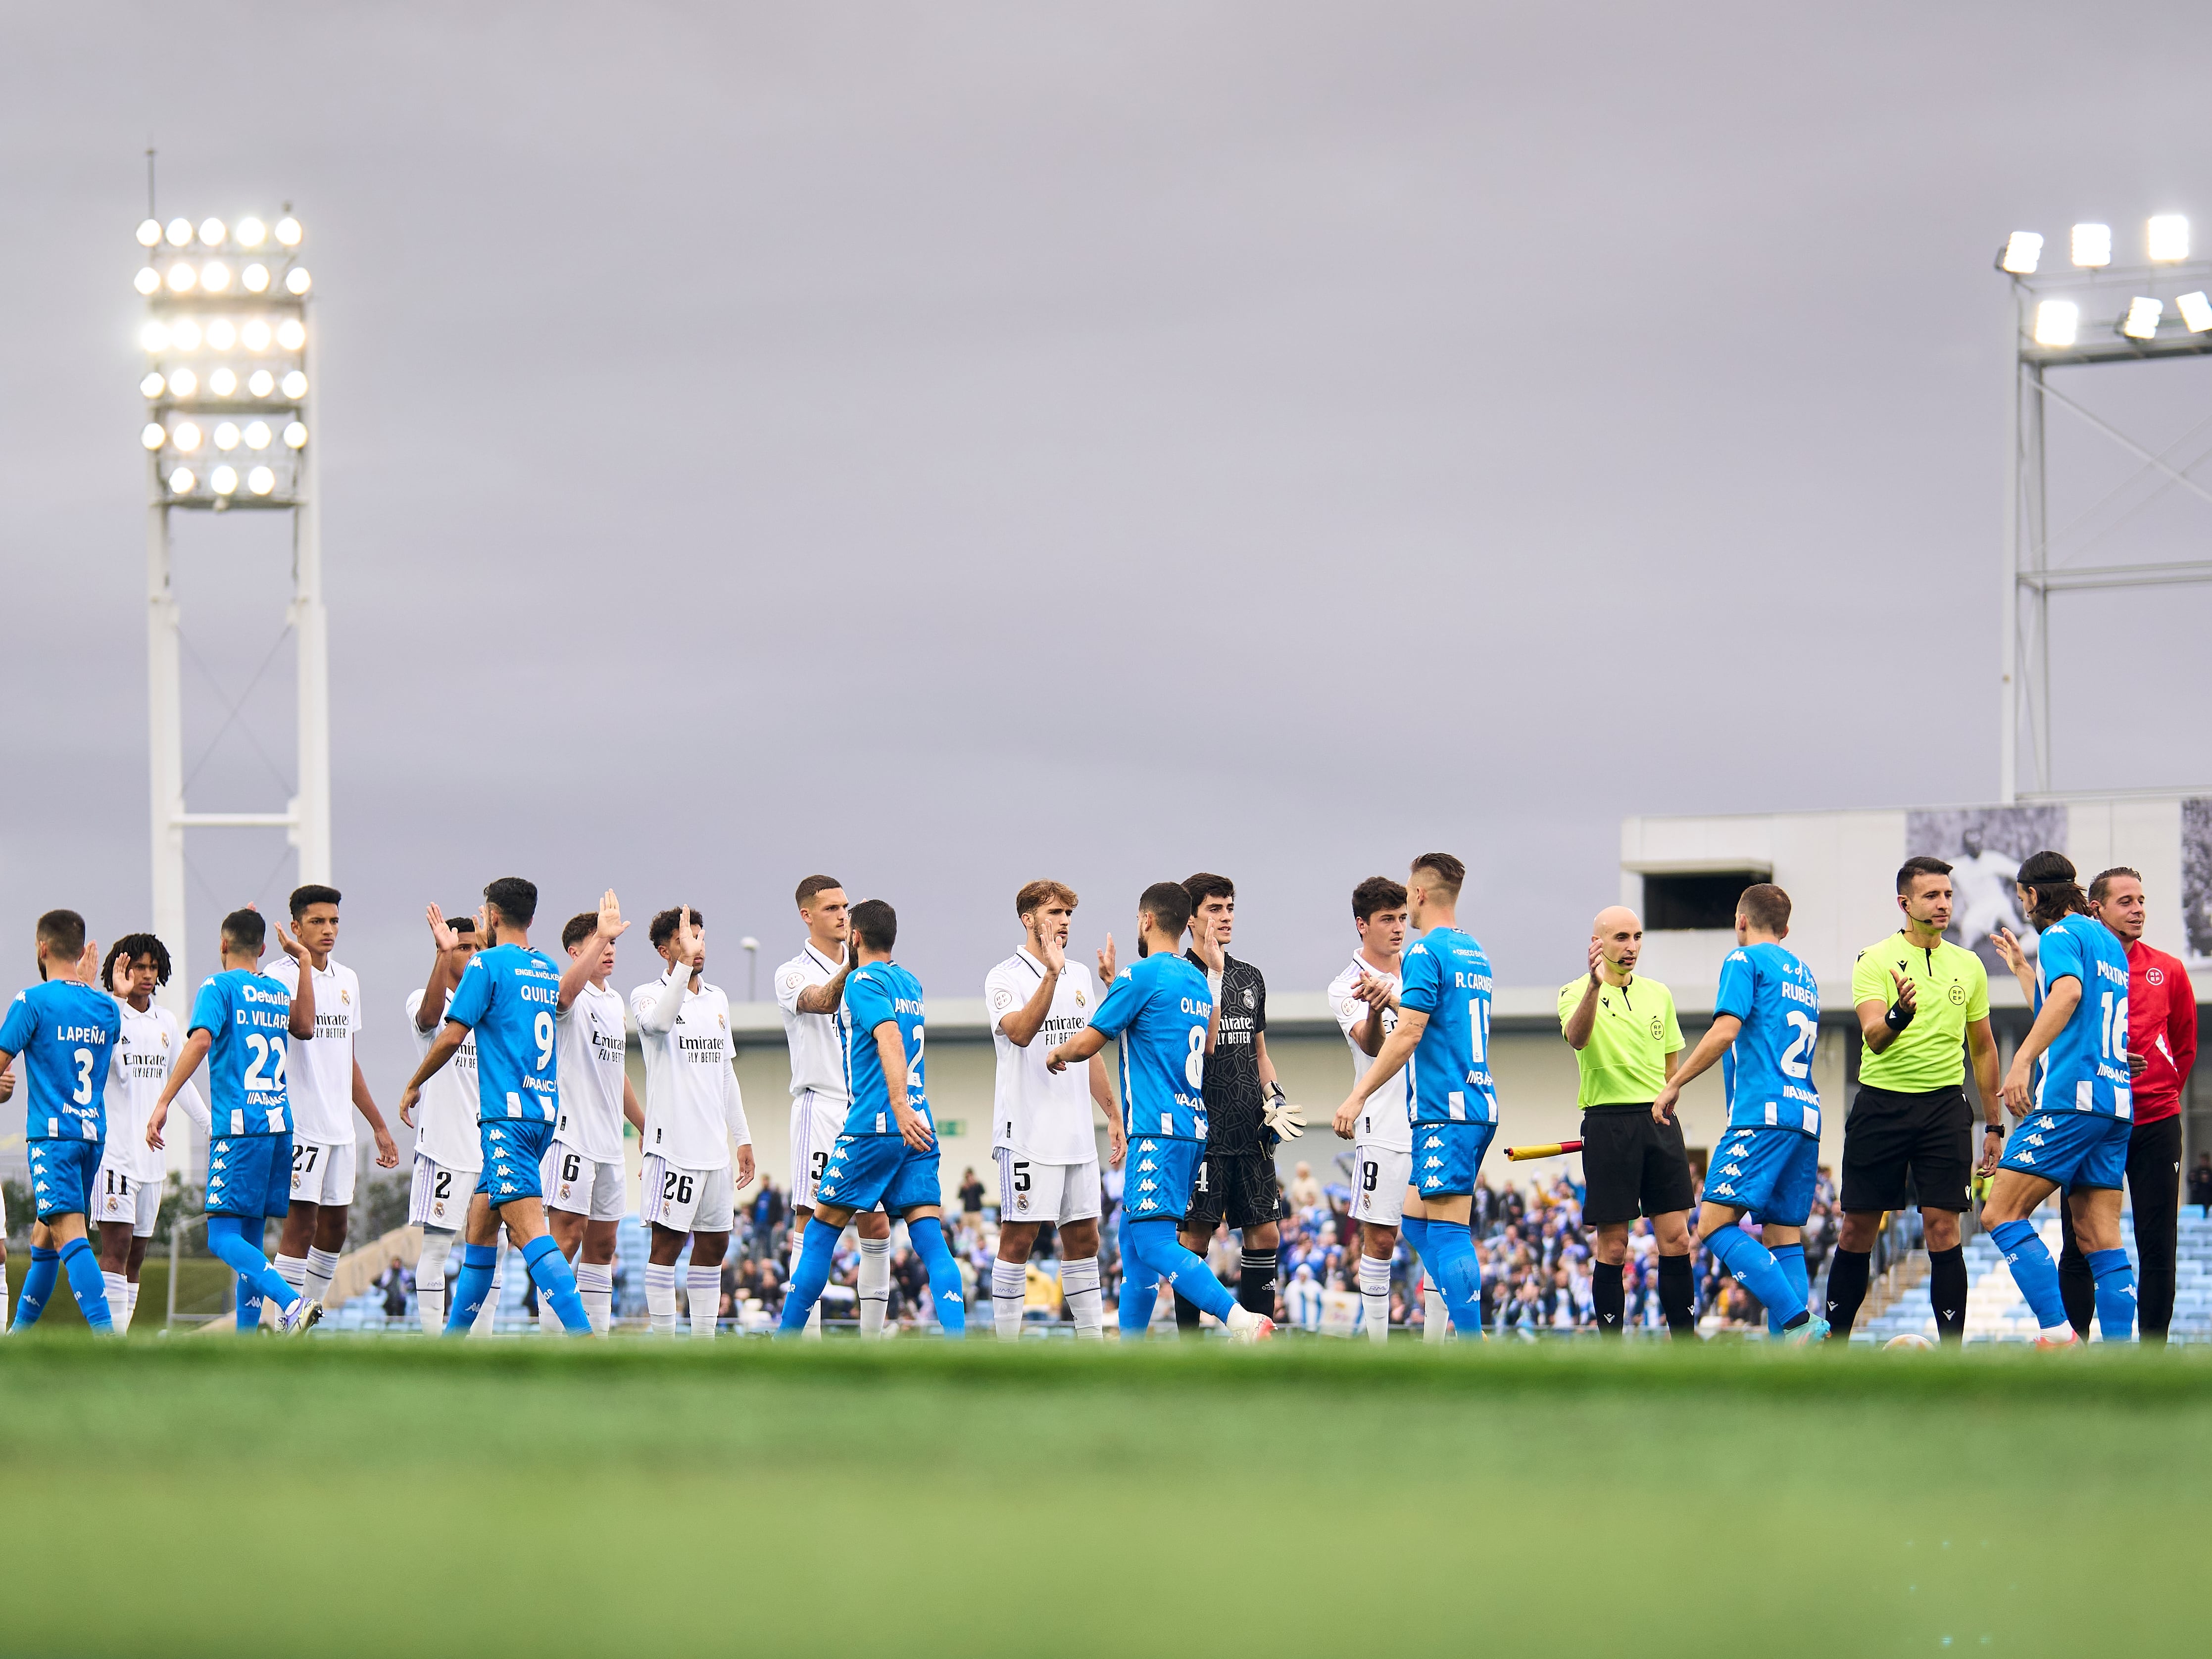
[(943, 445)]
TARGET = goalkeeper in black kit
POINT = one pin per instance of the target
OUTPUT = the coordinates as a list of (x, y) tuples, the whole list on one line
[(1247, 1115)]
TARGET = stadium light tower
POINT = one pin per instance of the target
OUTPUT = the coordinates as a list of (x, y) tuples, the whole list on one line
[(2086, 312), (227, 427)]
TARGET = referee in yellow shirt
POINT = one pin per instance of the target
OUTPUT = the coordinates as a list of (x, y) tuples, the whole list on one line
[(1626, 1042), (1923, 1004)]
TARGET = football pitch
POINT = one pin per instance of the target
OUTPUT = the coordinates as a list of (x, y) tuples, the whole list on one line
[(341, 1497)]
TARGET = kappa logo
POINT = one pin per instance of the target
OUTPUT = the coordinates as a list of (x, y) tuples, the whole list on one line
[(1146, 1167), (1149, 1186), (2026, 1157), (1146, 1146), (1725, 1190), (1433, 1163), (1731, 1170), (2035, 1140)]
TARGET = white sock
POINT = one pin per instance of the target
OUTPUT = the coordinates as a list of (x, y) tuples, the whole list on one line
[(430, 1279), (1078, 1283), (1436, 1318), (702, 1288), (595, 1283), (3, 1298), (547, 1320), (488, 1315), (291, 1269), (1374, 1298), (660, 1299), (322, 1267), (129, 1305), (1008, 1281), (875, 1286), (814, 1322), (119, 1300)]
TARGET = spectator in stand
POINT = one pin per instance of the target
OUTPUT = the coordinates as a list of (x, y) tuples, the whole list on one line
[(769, 1210), (1304, 1190), (2161, 1049), (396, 1282), (971, 1196), (2199, 1181), (1302, 1296)]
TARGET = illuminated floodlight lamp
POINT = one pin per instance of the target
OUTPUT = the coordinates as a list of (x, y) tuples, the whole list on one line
[(251, 232), (181, 481), (184, 334), (2056, 323), (2023, 252), (2196, 311), (2168, 240), (295, 436), (295, 385), (148, 280), (255, 334), (2093, 246), (2142, 321), (255, 278), (288, 231), (186, 436), (261, 481), (257, 435), (182, 382), (149, 233), (152, 435), (153, 337), (212, 231), (222, 334), (214, 276), (223, 480), (180, 233), (291, 334), (222, 383), (182, 277), (261, 383), (226, 436), (297, 279), (152, 385)]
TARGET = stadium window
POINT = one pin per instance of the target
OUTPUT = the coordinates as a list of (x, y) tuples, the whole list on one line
[(1704, 899)]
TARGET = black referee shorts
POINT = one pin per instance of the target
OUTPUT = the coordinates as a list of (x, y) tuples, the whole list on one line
[(1905, 1149), (1632, 1166), (1238, 1188)]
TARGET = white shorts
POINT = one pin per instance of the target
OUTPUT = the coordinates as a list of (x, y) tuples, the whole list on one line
[(581, 1186), (119, 1196), (322, 1175), (1378, 1187), (816, 1122), (688, 1200), (440, 1196), (1058, 1193)]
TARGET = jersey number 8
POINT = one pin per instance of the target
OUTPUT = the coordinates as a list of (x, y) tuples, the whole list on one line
[(1194, 1064)]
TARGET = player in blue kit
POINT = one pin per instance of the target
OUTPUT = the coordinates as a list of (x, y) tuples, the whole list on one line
[(243, 1024), (510, 996), (1443, 1035), (65, 1027), (888, 1152), (2077, 1112), (1766, 1021), (1161, 1009)]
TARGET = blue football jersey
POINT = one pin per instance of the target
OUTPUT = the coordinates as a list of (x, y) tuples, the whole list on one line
[(1767, 1072), (1159, 1007), (508, 996), (1447, 978), (2086, 1067), (881, 991), (248, 1018), (65, 1033)]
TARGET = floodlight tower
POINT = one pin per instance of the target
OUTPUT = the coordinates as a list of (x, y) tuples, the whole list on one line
[(227, 430), (2091, 311)]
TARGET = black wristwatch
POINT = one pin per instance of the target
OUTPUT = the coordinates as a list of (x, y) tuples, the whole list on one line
[(1997, 1129)]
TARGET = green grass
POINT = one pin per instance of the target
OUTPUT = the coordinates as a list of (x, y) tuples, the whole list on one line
[(387, 1495)]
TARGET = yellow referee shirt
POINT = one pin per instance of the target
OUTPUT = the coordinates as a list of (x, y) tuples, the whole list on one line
[(1624, 1061), (1952, 991)]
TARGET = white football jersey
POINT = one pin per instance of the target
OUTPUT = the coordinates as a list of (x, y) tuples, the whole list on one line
[(446, 1125), (1035, 1114), (138, 1071), (693, 1108), (318, 1073), (1386, 1122), (590, 1073), (817, 1041)]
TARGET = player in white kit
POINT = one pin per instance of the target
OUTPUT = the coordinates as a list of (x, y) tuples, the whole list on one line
[(583, 1179), (1041, 1134), (810, 989), (1381, 1134), (448, 1149), (127, 1194), (327, 1087), (693, 1111)]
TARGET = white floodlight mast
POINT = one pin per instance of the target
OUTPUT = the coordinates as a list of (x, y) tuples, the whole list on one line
[(306, 817)]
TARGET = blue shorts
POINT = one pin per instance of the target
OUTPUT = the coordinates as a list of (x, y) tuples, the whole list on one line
[(62, 1175), (1769, 1172), (513, 1152), (250, 1176), (866, 1170), (1160, 1171), (2077, 1150), (1447, 1155)]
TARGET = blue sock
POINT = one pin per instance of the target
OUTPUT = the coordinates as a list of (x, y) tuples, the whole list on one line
[(1458, 1272), (82, 1264), (2116, 1294), (557, 1282), (248, 1316), (926, 1235), (37, 1286), (225, 1236), (1791, 1258), (817, 1255), (465, 1292), (1754, 1266), (1140, 1294), (2032, 1270), (1153, 1242)]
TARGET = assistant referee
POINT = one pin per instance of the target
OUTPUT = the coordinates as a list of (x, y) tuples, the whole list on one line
[(1626, 1042), (1923, 1004)]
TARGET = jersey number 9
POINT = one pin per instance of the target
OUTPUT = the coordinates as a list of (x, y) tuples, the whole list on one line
[(543, 1032)]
